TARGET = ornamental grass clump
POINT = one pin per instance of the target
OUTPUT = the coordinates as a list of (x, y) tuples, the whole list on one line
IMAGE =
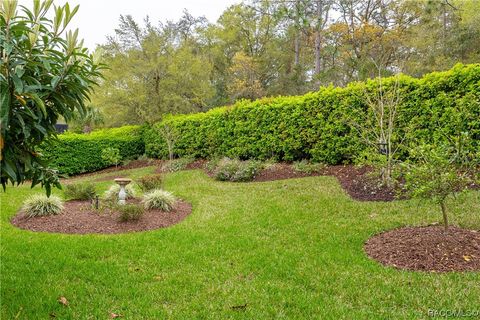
[(236, 170), (80, 191), (177, 164), (159, 199), (112, 193), (40, 205)]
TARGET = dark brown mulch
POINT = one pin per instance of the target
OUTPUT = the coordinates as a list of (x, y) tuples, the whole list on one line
[(427, 249), (358, 182), (197, 164), (361, 183), (280, 171), (78, 217), (134, 164)]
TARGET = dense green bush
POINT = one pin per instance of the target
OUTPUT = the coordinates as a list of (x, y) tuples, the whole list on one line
[(74, 153), (150, 182), (313, 126), (80, 191), (130, 212)]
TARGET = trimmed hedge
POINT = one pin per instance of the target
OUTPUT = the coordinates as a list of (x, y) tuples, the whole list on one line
[(313, 126), (74, 153)]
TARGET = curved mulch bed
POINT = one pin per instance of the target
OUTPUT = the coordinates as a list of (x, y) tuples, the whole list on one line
[(281, 171), (356, 181), (427, 249), (134, 164), (79, 218)]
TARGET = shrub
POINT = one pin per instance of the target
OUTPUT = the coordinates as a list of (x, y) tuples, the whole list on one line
[(313, 126), (111, 156), (130, 212), (80, 191), (150, 182), (177, 164), (40, 205), (159, 199), (75, 153), (112, 193), (236, 170), (308, 167), (440, 172)]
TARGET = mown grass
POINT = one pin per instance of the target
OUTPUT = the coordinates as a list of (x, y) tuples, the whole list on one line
[(284, 249)]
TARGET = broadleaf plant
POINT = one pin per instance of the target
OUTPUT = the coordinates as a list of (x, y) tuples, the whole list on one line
[(438, 172), (45, 74)]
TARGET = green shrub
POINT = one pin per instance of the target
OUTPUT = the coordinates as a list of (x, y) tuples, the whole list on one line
[(159, 199), (313, 126), (308, 167), (236, 170), (440, 172), (130, 212), (112, 193), (150, 182), (40, 205), (177, 164), (75, 153), (80, 191), (111, 156)]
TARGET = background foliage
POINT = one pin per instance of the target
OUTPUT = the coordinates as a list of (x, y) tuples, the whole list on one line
[(261, 48), (313, 126), (74, 153)]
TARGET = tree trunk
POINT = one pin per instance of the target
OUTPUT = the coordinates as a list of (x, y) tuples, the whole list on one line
[(296, 62), (444, 213), (318, 46), (318, 37)]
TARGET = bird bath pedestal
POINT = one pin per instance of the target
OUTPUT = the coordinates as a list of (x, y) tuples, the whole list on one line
[(122, 194)]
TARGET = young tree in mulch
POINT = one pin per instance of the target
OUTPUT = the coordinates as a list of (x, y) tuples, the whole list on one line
[(45, 74), (437, 173), (170, 135), (377, 124)]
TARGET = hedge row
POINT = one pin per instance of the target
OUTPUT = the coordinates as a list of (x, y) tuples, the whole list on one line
[(74, 153), (314, 125)]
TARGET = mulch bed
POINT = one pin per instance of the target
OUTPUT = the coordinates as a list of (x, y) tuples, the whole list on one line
[(78, 217), (280, 171), (134, 164), (361, 183), (358, 182), (427, 249)]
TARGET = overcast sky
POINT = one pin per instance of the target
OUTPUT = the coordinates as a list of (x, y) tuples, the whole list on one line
[(98, 18)]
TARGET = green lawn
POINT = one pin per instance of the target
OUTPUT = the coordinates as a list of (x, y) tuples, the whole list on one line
[(286, 249)]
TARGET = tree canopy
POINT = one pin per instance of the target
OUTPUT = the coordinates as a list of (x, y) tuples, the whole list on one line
[(277, 47)]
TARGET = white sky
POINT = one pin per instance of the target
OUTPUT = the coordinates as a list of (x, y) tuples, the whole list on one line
[(98, 18)]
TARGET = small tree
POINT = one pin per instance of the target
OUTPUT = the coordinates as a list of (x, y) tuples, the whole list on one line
[(45, 73), (112, 156), (170, 135), (377, 125), (439, 172)]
